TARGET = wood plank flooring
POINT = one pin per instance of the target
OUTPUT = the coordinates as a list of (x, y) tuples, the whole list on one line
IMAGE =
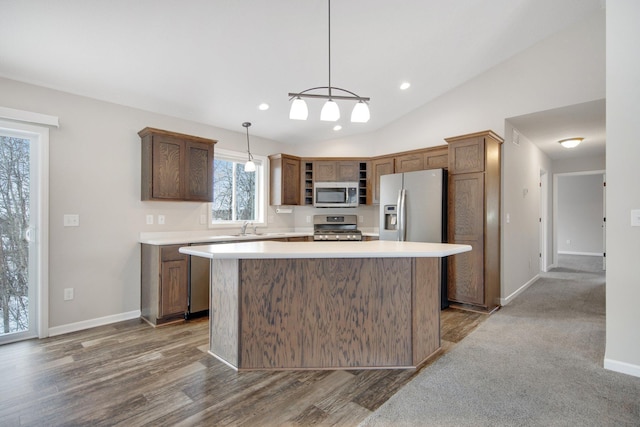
[(129, 374)]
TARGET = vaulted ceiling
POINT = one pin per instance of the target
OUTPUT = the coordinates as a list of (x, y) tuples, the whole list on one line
[(215, 61)]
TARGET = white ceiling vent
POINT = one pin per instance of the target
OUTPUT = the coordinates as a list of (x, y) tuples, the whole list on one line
[(516, 137)]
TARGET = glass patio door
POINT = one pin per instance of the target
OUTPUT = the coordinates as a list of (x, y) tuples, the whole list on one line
[(18, 233)]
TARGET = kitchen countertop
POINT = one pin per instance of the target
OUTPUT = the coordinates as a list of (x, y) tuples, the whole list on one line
[(207, 236), (343, 249)]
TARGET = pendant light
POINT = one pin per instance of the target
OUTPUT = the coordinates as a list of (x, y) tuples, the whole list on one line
[(330, 111), (249, 166)]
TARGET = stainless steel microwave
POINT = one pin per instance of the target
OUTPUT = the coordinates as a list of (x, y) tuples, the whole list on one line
[(335, 194)]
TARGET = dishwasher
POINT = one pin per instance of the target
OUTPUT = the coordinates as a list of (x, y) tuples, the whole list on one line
[(198, 284)]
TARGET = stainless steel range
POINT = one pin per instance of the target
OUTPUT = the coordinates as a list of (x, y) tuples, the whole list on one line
[(336, 227)]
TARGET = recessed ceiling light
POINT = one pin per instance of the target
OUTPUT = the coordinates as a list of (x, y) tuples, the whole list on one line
[(263, 106), (405, 86), (337, 127)]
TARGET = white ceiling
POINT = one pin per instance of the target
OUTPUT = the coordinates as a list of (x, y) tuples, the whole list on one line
[(546, 128), (215, 61)]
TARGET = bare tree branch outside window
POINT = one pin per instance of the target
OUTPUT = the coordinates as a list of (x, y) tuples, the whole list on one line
[(234, 192), (14, 221)]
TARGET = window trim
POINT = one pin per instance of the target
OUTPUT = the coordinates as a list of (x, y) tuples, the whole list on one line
[(261, 188)]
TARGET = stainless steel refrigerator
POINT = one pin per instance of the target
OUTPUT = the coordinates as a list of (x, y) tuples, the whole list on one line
[(413, 208)]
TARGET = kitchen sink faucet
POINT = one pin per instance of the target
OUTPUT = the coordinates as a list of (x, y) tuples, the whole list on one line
[(243, 229)]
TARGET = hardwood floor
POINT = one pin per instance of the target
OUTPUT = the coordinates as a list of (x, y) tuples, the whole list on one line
[(130, 374)]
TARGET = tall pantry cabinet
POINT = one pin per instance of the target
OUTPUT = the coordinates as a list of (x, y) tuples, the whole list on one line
[(474, 219)]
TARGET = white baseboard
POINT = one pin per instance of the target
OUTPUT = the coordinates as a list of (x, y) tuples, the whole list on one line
[(622, 367), (580, 253), (507, 300), (92, 323)]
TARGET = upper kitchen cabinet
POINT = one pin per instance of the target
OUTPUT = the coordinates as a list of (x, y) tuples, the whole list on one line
[(474, 219), (336, 170), (176, 166), (436, 157), (285, 180), (417, 160), (380, 166)]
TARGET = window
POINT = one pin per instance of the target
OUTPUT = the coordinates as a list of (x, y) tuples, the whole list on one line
[(238, 196)]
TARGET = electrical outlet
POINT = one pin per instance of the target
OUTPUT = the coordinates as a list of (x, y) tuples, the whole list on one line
[(68, 294), (361, 218), (149, 219), (568, 242), (161, 219), (71, 220), (308, 219), (203, 219)]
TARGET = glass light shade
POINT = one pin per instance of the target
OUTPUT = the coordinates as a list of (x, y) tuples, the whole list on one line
[(571, 142), (250, 166), (360, 113), (298, 110), (330, 112)]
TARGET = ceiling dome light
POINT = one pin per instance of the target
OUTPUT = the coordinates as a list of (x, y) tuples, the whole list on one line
[(360, 113), (264, 106), (330, 112), (405, 86), (570, 142), (298, 110)]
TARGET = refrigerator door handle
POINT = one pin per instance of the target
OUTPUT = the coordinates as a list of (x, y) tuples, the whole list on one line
[(402, 215)]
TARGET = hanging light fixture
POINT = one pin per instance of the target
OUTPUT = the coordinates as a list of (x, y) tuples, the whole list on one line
[(330, 111), (249, 166), (570, 142)]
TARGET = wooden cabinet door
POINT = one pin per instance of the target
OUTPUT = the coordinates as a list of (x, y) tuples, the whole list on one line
[(466, 156), (199, 172), (174, 277), (379, 167), (436, 158), (168, 163), (409, 162), (347, 171), (290, 181), (173, 292), (324, 171), (466, 226), (176, 166)]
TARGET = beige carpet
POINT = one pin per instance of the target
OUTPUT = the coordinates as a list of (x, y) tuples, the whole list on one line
[(536, 362)]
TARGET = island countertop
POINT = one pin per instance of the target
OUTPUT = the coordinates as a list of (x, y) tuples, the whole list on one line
[(370, 249)]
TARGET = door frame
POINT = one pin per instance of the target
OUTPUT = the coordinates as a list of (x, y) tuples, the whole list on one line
[(40, 231), (555, 206), (544, 221)]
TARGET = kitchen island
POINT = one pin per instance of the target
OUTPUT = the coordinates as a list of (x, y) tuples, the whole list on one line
[(324, 305)]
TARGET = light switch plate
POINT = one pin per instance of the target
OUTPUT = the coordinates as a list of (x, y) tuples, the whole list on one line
[(635, 218), (71, 220)]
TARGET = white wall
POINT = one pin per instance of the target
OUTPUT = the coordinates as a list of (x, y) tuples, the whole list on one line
[(521, 202), (95, 172), (579, 207), (579, 164), (623, 174)]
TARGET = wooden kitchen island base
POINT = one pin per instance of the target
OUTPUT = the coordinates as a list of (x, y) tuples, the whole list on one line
[(324, 312)]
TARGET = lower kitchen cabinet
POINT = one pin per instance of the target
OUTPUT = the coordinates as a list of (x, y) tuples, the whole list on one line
[(164, 283)]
